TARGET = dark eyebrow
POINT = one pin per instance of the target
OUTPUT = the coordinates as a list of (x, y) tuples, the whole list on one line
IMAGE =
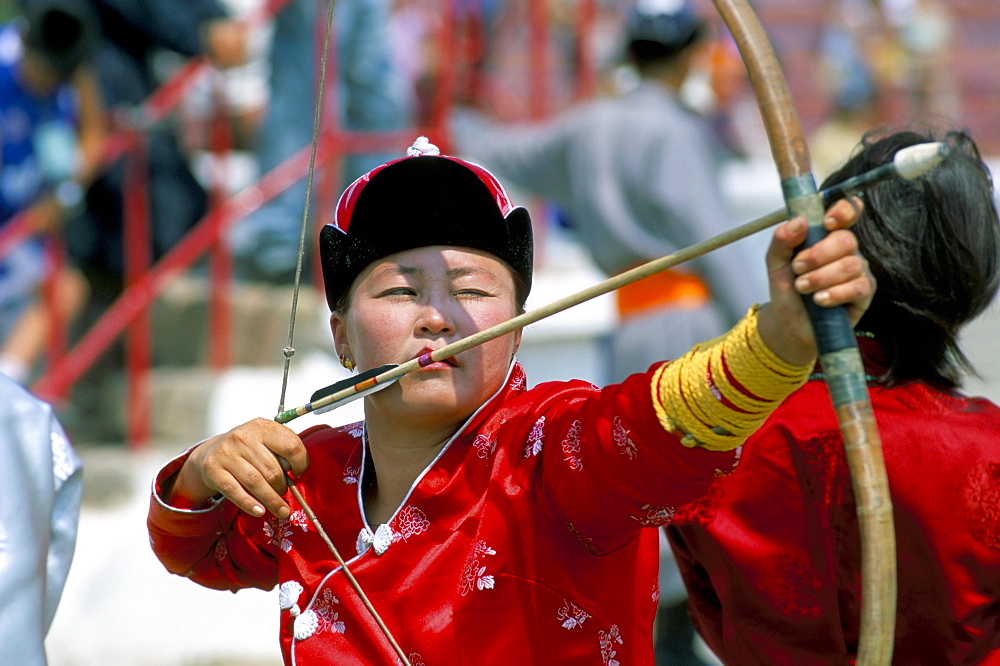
[(406, 271), (399, 270), (462, 272), (452, 273)]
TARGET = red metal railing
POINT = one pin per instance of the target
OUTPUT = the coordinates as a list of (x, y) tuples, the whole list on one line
[(130, 313), (138, 257)]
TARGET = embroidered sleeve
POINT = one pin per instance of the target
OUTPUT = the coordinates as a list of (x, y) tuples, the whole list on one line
[(721, 391)]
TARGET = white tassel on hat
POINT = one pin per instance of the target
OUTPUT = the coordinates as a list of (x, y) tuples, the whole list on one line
[(422, 146)]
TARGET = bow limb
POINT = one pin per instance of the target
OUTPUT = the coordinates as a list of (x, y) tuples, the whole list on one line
[(839, 353)]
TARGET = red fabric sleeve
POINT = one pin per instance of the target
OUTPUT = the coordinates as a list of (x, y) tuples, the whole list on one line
[(219, 547), (609, 466)]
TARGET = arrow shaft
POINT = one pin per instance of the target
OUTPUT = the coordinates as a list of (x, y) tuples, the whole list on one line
[(386, 378)]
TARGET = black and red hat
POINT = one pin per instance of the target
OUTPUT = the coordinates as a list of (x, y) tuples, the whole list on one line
[(422, 199)]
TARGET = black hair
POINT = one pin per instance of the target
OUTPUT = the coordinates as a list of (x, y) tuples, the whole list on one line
[(654, 39), (62, 32), (645, 52), (933, 245)]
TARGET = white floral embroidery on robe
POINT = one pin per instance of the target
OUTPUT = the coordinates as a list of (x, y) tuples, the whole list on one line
[(328, 617), (535, 437), (518, 382), (63, 464), (608, 639), (320, 618), (352, 474), (622, 440), (475, 576), (409, 522), (571, 615), (279, 530), (484, 446), (571, 446)]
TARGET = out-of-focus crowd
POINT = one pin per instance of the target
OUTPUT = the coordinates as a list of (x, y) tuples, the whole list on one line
[(78, 72)]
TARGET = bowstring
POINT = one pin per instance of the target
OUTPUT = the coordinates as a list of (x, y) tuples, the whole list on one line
[(289, 349)]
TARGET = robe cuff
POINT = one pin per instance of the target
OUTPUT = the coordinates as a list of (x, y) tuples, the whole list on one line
[(177, 503)]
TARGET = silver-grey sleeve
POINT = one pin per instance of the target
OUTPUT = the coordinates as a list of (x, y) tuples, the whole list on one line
[(688, 197), (40, 492)]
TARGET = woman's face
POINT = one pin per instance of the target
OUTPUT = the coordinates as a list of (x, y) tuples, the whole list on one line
[(415, 302)]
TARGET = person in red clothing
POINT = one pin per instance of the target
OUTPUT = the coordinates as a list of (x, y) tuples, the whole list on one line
[(486, 521), (771, 557)]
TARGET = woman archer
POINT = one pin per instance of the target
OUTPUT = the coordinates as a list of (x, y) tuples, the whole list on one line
[(490, 521)]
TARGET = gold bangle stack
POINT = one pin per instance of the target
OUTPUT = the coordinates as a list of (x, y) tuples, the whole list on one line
[(722, 391)]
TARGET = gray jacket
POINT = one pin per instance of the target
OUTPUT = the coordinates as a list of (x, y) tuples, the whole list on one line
[(638, 176)]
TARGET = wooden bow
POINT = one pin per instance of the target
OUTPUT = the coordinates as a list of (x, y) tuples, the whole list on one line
[(839, 353)]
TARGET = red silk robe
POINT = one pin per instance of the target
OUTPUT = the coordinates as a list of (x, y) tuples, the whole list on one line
[(529, 540), (771, 556)]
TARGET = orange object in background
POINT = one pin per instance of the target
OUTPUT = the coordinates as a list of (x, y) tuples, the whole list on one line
[(667, 289)]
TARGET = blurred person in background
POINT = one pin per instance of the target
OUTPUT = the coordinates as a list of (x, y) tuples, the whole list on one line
[(132, 34), (371, 94), (41, 487), (237, 96), (926, 32), (53, 129), (850, 78), (771, 557), (132, 37)]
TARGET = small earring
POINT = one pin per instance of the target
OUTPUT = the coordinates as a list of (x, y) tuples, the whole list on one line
[(346, 362)]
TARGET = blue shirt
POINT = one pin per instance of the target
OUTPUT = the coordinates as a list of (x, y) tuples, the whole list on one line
[(37, 134)]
